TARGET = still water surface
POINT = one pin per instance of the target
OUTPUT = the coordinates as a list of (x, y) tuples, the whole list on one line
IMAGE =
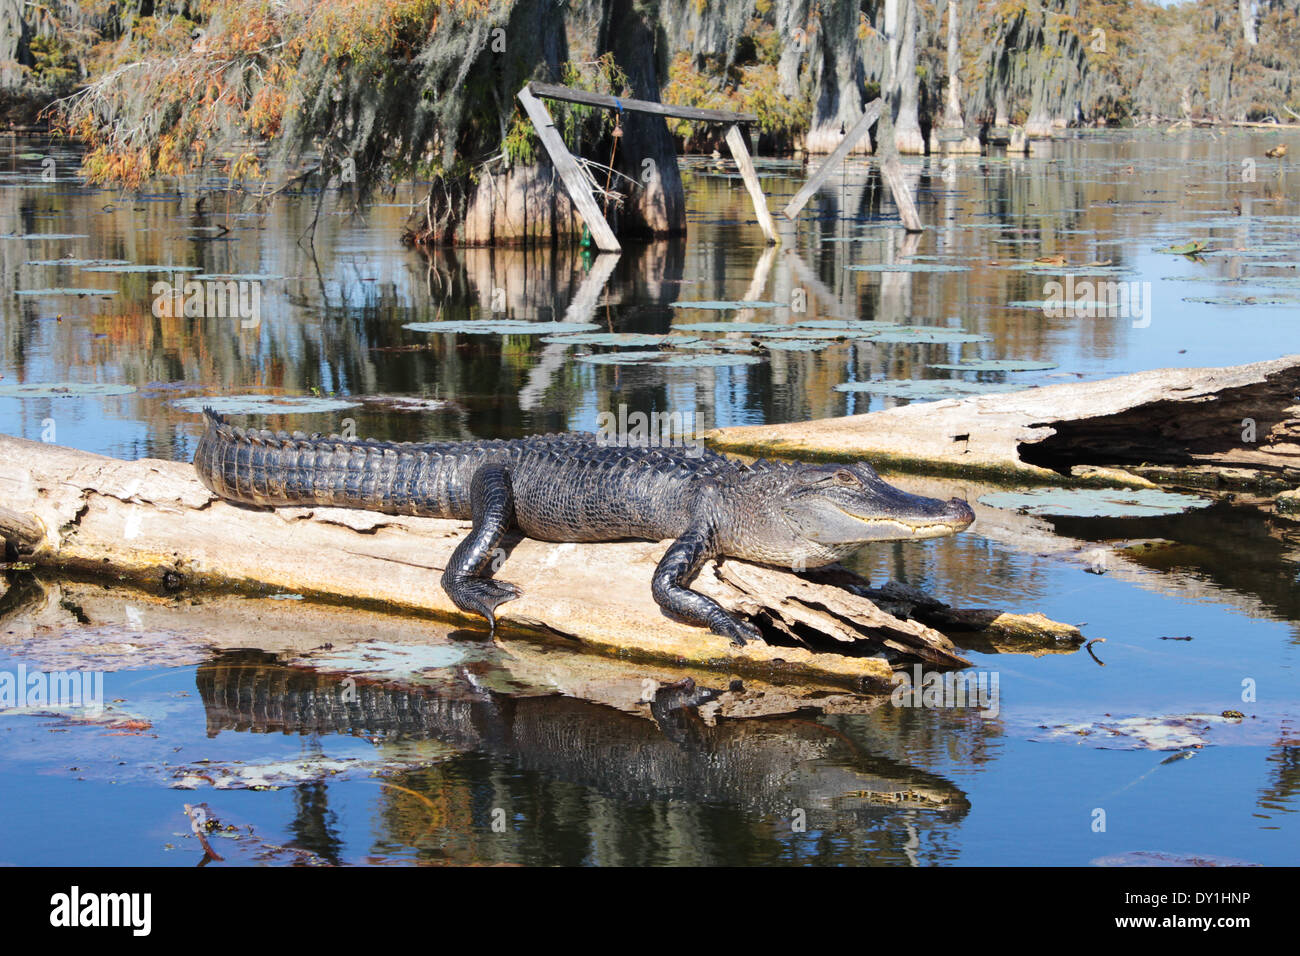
[(406, 742)]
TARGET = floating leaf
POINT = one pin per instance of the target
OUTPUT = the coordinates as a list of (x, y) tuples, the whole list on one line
[(621, 358), (705, 360), (795, 345), (811, 333), (1095, 502), (926, 334), (865, 324), (1244, 299), (729, 327), (927, 390), (726, 345), (909, 267), (63, 389), (265, 404), (129, 267), (617, 339), (999, 365), (78, 263), (235, 277), (65, 291), (733, 304), (501, 327), (1185, 249)]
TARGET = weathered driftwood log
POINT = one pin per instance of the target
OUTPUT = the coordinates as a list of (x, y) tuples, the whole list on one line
[(1242, 416), (152, 522)]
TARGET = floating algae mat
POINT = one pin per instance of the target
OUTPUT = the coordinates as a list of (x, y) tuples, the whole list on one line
[(502, 327), (1095, 502), (264, 404), (928, 389), (731, 304), (63, 389)]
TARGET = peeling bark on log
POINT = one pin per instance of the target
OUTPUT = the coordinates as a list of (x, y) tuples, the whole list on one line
[(151, 522), (1183, 417)]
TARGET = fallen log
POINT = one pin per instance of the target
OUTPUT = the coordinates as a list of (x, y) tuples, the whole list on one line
[(152, 523), (1242, 416)]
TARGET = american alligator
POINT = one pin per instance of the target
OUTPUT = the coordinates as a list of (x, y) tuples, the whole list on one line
[(576, 487)]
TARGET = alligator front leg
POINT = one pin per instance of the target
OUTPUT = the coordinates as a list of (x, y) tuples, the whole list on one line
[(678, 565), (493, 506)]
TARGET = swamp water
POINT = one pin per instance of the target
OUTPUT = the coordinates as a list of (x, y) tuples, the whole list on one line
[(322, 735)]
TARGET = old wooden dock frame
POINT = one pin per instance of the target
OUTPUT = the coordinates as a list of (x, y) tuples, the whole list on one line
[(531, 97), (890, 171)]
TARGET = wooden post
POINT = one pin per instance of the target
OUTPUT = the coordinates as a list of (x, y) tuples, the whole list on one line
[(892, 173), (869, 117), (567, 167), (740, 152)]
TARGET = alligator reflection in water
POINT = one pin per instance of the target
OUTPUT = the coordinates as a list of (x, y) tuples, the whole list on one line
[(765, 774)]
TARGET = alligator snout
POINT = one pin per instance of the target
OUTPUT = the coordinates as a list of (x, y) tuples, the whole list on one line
[(960, 513)]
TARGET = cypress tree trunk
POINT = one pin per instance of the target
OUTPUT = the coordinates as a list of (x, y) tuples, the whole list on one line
[(907, 125), (840, 79), (646, 152), (952, 118)]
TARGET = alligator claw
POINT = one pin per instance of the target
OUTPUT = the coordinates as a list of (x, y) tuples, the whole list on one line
[(737, 631), (482, 596)]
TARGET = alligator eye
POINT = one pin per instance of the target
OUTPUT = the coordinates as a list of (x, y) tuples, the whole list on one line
[(846, 477)]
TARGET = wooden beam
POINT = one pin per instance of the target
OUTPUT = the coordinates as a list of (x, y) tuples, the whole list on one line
[(552, 91), (567, 167), (869, 117), (740, 152)]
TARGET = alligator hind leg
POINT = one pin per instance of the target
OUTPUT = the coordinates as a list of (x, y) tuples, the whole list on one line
[(678, 565), (493, 506)]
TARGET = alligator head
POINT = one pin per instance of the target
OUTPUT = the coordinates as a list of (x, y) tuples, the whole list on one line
[(810, 515)]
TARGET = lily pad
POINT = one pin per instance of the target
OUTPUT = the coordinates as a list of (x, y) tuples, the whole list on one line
[(729, 327), (616, 339), (1185, 249), (827, 334), (63, 389), (131, 267), (927, 390), (1095, 502), (501, 327), (732, 304), (908, 267), (726, 345), (926, 334), (1243, 299), (235, 277), (705, 360), (77, 263), (264, 404), (65, 291), (998, 365), (865, 324), (622, 358), (796, 345)]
